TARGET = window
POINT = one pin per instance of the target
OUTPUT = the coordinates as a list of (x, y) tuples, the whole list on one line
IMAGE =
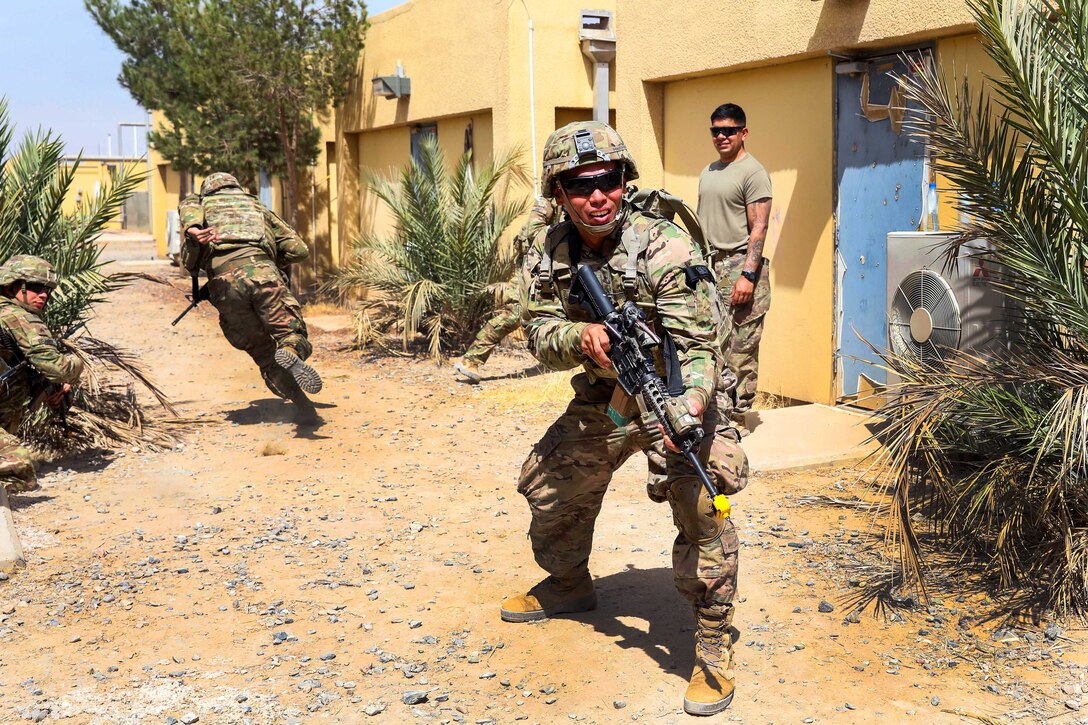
[(419, 133)]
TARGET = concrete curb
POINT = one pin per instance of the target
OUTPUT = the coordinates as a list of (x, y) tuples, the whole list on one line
[(11, 551), (809, 436)]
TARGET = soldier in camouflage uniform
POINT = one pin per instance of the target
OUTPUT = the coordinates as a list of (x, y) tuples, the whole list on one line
[(508, 317), (641, 257), (25, 285), (245, 249), (734, 209)]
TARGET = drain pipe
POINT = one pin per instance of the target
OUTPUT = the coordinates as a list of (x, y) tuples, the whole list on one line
[(598, 41), (532, 101)]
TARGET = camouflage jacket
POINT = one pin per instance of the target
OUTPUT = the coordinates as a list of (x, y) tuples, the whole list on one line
[(243, 223), (657, 282), (541, 216), (40, 349)]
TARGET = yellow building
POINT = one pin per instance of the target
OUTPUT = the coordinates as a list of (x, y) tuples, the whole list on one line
[(813, 75), (92, 175), (483, 76)]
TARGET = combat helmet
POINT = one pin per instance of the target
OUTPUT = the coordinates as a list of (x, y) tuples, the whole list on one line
[(28, 268), (579, 144), (218, 180)]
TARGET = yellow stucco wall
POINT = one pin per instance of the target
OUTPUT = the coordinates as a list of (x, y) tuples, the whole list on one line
[(789, 109), (731, 35), (385, 152), (92, 176), (481, 71), (960, 57)]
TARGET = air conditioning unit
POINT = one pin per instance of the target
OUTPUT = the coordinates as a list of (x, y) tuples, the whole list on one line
[(934, 308)]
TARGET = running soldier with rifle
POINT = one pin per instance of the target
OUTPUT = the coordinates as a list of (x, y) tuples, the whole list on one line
[(245, 250)]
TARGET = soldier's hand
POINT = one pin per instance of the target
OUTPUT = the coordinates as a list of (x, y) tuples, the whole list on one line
[(58, 397), (695, 408), (596, 344), (203, 236), (742, 292)]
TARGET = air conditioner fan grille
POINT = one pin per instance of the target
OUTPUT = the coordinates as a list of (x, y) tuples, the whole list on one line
[(924, 318)]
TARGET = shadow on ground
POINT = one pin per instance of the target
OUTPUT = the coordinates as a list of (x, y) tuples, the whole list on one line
[(274, 410), (651, 596), (20, 501), (530, 372)]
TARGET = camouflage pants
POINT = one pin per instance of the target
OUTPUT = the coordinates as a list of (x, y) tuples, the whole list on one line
[(742, 347), (567, 474), (16, 466), (258, 315), (505, 320)]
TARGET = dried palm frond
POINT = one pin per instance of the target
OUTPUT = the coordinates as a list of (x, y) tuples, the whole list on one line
[(994, 445)]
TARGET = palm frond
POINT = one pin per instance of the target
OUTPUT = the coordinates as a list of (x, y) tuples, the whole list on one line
[(440, 265), (34, 180)]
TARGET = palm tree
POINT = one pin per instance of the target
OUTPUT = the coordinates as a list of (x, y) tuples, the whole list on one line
[(440, 269), (33, 184), (994, 449)]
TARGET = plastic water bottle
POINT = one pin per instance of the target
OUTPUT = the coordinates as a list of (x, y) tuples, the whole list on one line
[(931, 207)]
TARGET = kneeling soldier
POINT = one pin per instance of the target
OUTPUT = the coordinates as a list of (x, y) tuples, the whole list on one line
[(26, 283), (647, 260)]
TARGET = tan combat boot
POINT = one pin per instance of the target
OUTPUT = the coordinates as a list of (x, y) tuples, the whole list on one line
[(547, 598), (711, 687), (469, 369), (306, 377)]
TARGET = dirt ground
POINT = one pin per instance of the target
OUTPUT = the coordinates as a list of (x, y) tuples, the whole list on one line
[(259, 572)]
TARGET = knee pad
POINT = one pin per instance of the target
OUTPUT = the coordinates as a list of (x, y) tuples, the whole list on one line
[(693, 511)]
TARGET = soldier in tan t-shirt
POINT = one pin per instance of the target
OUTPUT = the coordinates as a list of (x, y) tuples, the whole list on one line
[(734, 206)]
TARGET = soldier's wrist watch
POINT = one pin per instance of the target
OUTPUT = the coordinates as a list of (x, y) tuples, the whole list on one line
[(750, 276)]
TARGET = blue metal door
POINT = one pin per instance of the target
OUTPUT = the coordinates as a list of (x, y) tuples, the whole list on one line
[(879, 170)]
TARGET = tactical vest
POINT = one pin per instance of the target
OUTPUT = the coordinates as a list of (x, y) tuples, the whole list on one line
[(237, 217), (623, 277)]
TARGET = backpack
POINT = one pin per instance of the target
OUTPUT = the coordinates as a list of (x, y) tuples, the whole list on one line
[(673, 208)]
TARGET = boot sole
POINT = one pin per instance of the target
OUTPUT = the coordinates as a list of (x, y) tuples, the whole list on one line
[(582, 604), (306, 377), (474, 377), (707, 708)]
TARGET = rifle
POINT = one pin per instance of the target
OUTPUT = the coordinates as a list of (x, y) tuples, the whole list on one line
[(632, 342), (198, 295), (40, 385)]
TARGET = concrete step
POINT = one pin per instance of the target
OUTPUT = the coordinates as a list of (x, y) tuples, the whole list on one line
[(808, 436)]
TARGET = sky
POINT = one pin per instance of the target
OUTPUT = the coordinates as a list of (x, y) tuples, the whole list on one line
[(59, 71)]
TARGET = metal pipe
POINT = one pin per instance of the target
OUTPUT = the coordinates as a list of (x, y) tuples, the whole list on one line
[(532, 102), (600, 91)]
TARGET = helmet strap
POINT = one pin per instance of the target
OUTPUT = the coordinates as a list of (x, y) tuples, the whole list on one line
[(601, 230)]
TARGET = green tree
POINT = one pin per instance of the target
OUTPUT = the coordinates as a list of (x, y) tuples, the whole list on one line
[(33, 184), (239, 81), (995, 451), (440, 269)]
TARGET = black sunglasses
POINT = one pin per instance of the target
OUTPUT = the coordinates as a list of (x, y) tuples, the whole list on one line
[(727, 131), (38, 288), (586, 185)]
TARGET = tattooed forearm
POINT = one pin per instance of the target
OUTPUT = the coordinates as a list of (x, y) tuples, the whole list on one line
[(759, 214)]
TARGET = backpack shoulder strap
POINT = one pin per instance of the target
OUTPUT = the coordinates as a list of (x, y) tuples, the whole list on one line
[(673, 208)]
